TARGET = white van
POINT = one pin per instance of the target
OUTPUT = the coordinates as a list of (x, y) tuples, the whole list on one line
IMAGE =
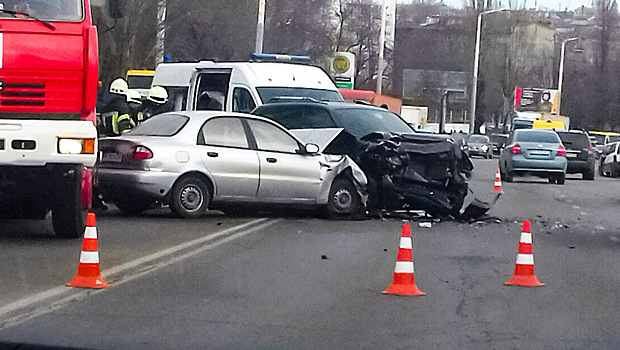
[(240, 86)]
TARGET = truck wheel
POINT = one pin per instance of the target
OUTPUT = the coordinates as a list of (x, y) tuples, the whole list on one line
[(344, 201), (68, 215), (190, 197)]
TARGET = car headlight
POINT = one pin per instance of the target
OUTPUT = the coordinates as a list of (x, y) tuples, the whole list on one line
[(76, 146), (484, 148)]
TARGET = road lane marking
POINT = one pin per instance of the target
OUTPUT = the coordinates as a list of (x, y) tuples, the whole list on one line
[(58, 297)]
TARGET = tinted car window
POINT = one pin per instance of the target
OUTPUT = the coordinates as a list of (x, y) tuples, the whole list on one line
[(161, 125), (298, 117), (271, 138), (537, 136), (574, 140), (360, 122), (227, 132), (267, 93)]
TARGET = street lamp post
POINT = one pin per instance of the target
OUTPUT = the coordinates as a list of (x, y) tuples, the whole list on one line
[(561, 71), (474, 87)]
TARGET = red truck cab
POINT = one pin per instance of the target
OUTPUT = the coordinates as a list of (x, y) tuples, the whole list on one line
[(48, 88)]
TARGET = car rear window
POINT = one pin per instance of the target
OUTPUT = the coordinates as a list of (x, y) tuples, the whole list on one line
[(537, 136), (574, 140), (167, 124)]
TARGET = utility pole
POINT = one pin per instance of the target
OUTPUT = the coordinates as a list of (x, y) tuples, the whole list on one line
[(161, 31), (381, 49), (260, 27)]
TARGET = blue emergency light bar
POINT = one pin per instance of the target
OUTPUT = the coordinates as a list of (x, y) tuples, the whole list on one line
[(276, 57)]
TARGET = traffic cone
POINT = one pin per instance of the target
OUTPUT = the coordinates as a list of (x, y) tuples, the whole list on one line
[(404, 277), (88, 275), (524, 268), (497, 186)]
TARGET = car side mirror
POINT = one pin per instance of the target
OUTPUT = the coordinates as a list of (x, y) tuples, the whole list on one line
[(312, 148)]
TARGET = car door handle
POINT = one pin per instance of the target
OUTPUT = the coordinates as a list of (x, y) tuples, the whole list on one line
[(212, 154), (271, 160)]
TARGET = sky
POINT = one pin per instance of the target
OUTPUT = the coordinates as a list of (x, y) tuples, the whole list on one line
[(549, 4)]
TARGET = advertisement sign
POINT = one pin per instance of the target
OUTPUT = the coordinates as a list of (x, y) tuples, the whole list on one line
[(536, 100), (343, 70)]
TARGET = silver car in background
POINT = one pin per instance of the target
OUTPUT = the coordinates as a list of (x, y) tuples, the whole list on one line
[(193, 161)]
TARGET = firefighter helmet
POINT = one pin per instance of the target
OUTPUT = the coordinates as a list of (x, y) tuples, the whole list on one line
[(133, 96), (119, 86), (158, 95)]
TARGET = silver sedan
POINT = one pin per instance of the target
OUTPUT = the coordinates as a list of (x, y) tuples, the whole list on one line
[(193, 161)]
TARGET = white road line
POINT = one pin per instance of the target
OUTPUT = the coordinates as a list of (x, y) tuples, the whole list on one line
[(64, 295)]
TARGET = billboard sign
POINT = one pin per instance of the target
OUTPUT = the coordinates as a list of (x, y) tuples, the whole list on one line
[(536, 100)]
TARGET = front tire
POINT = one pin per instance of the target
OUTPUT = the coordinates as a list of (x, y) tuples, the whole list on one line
[(68, 215), (190, 197), (344, 201)]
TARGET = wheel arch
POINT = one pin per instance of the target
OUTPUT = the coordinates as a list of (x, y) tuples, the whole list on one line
[(194, 173)]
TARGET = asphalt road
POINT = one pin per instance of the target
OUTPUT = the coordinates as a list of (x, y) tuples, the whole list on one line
[(288, 281)]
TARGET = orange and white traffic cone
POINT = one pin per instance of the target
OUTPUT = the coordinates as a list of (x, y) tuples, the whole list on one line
[(524, 268), (404, 277), (497, 186), (88, 275)]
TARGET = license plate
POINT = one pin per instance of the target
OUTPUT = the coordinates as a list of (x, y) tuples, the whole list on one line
[(571, 155), (539, 153), (112, 157)]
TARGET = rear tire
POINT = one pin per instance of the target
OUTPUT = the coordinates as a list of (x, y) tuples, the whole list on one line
[(68, 216), (589, 174), (509, 177), (190, 197), (560, 179), (344, 201)]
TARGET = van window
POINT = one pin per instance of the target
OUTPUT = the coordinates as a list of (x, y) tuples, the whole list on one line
[(212, 88), (243, 100), (177, 98)]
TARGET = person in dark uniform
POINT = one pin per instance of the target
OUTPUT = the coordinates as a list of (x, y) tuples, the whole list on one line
[(115, 117)]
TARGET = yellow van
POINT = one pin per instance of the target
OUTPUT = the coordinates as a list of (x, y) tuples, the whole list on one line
[(548, 124)]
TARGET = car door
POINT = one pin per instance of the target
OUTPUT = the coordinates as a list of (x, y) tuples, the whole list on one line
[(287, 174), (227, 157)]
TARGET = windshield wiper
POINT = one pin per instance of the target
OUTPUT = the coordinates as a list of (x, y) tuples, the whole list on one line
[(17, 14)]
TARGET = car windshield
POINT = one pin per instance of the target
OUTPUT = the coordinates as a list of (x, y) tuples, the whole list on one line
[(161, 125), (360, 122), (614, 138), (537, 136), (47, 10), (478, 139), (267, 93)]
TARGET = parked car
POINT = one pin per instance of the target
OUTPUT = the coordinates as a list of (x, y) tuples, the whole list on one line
[(535, 152), (579, 153), (603, 138), (609, 164), (480, 145), (198, 160), (404, 169)]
